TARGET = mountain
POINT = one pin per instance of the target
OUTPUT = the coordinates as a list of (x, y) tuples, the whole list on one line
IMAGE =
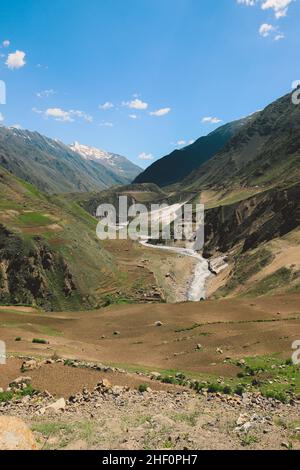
[(260, 238), (174, 167), (265, 152), (51, 165), (119, 165), (51, 257)]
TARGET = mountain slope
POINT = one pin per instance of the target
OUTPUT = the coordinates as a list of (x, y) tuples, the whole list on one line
[(50, 165), (50, 255), (118, 164), (175, 167), (260, 238), (265, 152)]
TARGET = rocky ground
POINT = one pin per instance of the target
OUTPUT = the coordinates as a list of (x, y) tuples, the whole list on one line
[(120, 417)]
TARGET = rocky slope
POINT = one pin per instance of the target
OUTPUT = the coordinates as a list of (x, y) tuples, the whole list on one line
[(175, 167), (253, 221), (120, 417), (259, 237)]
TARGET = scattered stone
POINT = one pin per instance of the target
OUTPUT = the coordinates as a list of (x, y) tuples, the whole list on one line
[(158, 323), (20, 383)]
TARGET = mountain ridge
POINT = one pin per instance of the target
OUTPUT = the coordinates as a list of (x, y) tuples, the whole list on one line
[(173, 168), (50, 165)]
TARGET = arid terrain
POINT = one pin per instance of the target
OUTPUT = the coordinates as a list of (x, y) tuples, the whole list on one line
[(214, 374)]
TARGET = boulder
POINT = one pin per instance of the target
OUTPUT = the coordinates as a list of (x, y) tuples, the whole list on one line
[(57, 406), (15, 435), (31, 364)]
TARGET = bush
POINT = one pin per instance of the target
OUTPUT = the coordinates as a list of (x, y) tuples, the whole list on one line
[(227, 390), (40, 341), (215, 388), (276, 395), (239, 390), (142, 388), (168, 380), (18, 338)]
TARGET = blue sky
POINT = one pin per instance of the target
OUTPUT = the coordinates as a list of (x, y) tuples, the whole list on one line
[(160, 67)]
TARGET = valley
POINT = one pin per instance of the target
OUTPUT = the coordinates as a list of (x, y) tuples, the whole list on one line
[(112, 329)]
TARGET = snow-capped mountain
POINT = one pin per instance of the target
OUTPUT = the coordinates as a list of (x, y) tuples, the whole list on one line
[(116, 163)]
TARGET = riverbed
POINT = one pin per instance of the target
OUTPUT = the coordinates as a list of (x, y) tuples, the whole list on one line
[(197, 287)]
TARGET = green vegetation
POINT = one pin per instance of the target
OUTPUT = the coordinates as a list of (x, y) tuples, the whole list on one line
[(16, 395), (266, 286), (271, 376), (40, 341), (246, 266), (34, 219), (142, 388)]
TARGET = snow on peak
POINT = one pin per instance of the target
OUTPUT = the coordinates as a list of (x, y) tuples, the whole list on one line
[(91, 153)]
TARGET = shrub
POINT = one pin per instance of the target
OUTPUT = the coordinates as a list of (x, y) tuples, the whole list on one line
[(40, 341), (227, 390), (239, 390), (18, 338), (215, 388), (142, 388)]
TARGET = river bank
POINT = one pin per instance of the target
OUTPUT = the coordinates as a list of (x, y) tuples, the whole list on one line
[(196, 289)]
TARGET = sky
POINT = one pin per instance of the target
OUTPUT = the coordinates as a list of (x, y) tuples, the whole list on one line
[(143, 77)]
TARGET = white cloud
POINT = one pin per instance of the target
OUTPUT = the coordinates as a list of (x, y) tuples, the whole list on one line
[(160, 112), (181, 142), (191, 141), (280, 7), (107, 105), (211, 120), (265, 30), (249, 3), (133, 116), (41, 66), (61, 115), (279, 37), (1, 117), (45, 93), (16, 60), (145, 156), (6, 43), (135, 104), (106, 124)]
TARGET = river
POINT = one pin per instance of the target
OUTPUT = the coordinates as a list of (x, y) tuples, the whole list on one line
[(197, 288)]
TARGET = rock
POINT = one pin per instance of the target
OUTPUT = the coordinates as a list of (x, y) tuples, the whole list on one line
[(242, 419), (158, 323), (31, 364), (59, 405), (117, 333), (199, 346), (15, 435), (20, 382), (219, 351), (155, 375), (106, 383)]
